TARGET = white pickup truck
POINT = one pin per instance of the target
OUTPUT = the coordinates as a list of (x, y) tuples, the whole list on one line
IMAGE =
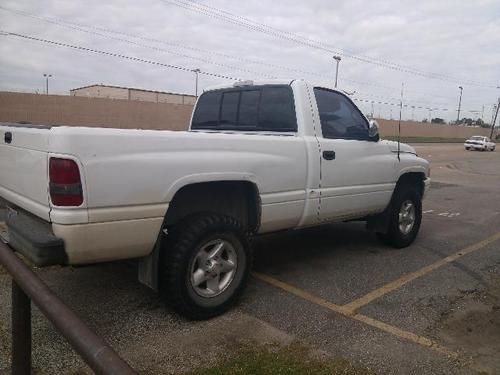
[(259, 157)]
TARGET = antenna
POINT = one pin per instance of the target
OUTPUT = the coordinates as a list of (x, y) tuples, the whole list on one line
[(399, 123)]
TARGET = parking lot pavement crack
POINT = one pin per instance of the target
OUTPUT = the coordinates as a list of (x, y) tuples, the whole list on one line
[(353, 306), (406, 335), (387, 328)]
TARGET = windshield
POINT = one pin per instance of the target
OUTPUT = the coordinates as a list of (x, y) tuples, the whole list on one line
[(476, 138)]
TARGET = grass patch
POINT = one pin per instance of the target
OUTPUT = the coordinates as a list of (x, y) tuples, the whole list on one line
[(291, 360), (426, 139)]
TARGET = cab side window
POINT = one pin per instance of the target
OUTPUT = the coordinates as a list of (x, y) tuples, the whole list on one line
[(339, 117)]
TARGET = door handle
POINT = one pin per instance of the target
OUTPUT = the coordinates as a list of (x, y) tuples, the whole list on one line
[(328, 155)]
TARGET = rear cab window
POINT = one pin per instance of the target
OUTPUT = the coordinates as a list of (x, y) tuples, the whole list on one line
[(253, 108)]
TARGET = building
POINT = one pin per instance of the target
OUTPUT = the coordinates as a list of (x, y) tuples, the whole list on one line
[(128, 93)]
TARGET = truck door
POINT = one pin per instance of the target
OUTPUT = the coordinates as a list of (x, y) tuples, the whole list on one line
[(358, 174)]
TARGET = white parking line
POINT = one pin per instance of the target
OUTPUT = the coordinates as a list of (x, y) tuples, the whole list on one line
[(443, 214), (449, 214)]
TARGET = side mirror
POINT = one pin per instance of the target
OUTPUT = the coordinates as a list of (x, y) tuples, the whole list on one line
[(373, 131)]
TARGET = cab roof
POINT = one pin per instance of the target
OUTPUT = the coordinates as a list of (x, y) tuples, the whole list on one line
[(250, 83)]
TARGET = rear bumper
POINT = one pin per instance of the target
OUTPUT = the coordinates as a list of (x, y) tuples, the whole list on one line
[(33, 238)]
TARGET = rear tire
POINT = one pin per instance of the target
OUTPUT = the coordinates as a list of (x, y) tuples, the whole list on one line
[(205, 264), (405, 217)]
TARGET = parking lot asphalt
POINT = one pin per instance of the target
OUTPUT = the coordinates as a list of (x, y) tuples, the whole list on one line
[(432, 308)]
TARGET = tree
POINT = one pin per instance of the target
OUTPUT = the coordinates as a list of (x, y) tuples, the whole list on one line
[(437, 120), (467, 121)]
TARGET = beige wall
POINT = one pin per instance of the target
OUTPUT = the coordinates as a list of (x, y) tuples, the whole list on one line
[(419, 129), (96, 112), (176, 99), (133, 94), (84, 111), (102, 92), (143, 96)]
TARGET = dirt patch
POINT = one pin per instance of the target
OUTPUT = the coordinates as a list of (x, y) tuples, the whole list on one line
[(294, 359), (200, 345), (472, 326)]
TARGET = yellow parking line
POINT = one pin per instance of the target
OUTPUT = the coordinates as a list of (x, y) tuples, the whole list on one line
[(406, 335), (300, 293), (353, 306)]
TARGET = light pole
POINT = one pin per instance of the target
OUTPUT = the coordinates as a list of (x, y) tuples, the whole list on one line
[(196, 71), (459, 104), (337, 58), (494, 119), (47, 76)]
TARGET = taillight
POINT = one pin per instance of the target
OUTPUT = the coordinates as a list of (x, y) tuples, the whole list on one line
[(65, 183)]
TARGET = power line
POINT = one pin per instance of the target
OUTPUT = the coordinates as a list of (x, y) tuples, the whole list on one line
[(152, 62), (85, 29), (394, 104), (343, 51), (90, 30), (285, 35), (113, 54)]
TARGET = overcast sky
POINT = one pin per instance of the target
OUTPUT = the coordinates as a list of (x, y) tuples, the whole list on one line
[(456, 42)]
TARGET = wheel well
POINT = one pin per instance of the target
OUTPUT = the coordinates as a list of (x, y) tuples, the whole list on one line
[(238, 199), (413, 179)]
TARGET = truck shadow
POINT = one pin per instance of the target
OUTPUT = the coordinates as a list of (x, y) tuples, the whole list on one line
[(281, 250)]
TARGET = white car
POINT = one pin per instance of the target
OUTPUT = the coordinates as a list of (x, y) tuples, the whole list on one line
[(479, 142), (259, 157)]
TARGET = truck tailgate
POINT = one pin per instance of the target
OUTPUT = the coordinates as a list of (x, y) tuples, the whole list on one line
[(23, 167)]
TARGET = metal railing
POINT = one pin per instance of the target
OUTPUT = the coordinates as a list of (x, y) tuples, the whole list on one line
[(27, 287)]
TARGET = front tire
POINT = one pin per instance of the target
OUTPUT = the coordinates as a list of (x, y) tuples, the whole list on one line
[(405, 217), (205, 265)]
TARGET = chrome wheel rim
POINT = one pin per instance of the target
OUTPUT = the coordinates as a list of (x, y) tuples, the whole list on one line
[(406, 217), (213, 268)]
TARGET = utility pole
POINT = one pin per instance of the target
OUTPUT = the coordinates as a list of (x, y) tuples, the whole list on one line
[(47, 76), (196, 71), (337, 58), (495, 119), (459, 104)]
